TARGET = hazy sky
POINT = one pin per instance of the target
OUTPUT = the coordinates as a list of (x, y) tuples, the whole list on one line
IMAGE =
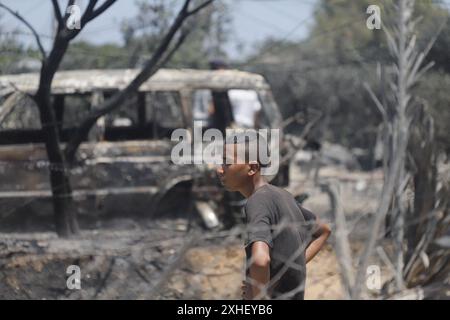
[(253, 20)]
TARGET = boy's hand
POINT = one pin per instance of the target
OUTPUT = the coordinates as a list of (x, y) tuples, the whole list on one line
[(320, 237)]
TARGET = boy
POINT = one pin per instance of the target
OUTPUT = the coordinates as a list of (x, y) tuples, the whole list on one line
[(282, 236)]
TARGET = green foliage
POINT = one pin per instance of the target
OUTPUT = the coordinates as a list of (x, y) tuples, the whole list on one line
[(325, 72), (334, 90), (12, 52), (83, 55), (208, 32), (340, 27)]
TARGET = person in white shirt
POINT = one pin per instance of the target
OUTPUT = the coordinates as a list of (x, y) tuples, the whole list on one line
[(246, 107)]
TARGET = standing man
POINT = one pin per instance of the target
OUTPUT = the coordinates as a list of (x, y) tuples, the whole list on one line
[(281, 237)]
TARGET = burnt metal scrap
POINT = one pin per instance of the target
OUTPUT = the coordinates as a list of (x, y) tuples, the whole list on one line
[(86, 81)]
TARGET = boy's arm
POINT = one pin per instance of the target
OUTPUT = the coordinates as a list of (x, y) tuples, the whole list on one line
[(259, 268), (320, 237)]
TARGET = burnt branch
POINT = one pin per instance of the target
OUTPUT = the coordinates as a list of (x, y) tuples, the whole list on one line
[(57, 10), (200, 7), (29, 26), (175, 48), (149, 69), (92, 14), (89, 14)]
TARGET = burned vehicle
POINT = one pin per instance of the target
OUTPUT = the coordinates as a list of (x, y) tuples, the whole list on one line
[(125, 165)]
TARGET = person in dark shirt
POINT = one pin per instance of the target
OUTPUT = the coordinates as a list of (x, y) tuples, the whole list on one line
[(282, 236)]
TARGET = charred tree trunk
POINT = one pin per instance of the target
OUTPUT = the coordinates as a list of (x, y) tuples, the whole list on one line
[(66, 224), (65, 217)]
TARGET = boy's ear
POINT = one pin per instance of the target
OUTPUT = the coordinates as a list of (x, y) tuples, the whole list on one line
[(254, 168)]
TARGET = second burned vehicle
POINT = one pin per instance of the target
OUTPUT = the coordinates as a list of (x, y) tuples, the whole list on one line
[(125, 165)]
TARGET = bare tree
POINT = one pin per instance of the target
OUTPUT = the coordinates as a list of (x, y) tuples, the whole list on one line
[(342, 244), (65, 217), (397, 118)]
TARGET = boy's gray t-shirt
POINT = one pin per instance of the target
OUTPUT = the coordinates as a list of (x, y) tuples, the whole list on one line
[(274, 216)]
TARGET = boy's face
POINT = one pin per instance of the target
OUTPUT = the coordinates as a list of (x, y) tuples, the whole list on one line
[(233, 174)]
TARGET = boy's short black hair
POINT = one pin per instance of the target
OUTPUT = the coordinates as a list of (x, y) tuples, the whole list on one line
[(254, 138)]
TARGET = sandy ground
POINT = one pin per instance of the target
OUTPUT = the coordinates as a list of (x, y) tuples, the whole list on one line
[(323, 279), (219, 275)]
